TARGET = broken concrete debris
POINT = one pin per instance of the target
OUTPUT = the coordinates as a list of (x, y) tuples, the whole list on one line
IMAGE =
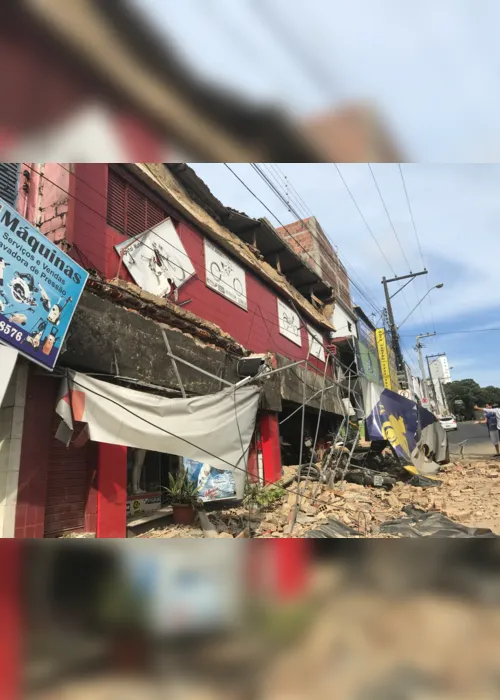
[(464, 502)]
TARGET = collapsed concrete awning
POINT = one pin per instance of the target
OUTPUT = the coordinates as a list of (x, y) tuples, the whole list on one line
[(214, 429)]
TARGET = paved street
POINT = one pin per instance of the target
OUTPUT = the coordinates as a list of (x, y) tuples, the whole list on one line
[(478, 441)]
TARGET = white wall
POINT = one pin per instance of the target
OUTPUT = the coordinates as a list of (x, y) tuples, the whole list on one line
[(11, 431), (340, 319)]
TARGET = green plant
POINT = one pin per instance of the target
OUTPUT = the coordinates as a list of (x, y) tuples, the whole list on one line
[(181, 490), (263, 496)]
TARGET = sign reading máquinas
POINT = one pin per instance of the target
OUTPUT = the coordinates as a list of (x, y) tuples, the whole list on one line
[(225, 276), (40, 287)]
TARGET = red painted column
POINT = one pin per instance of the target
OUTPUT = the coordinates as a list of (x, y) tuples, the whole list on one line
[(11, 615), (111, 491), (293, 561), (271, 448)]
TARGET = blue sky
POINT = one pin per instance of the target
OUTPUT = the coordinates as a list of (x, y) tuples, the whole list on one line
[(430, 66), (457, 216)]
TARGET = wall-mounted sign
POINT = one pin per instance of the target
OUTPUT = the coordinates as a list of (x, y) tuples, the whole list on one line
[(316, 346), (368, 361), (383, 356), (225, 276), (289, 323), (366, 334), (156, 259), (143, 504), (387, 361), (40, 287)]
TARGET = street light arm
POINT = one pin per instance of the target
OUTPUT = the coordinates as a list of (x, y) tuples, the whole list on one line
[(415, 307)]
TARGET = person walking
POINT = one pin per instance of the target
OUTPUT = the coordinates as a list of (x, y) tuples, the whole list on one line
[(492, 420)]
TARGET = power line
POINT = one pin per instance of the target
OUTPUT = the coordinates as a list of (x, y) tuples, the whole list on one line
[(302, 206), (102, 216), (364, 220), (468, 330), (279, 195), (418, 241), (389, 216), (316, 70)]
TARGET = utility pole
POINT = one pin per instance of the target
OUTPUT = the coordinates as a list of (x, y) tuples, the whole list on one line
[(421, 362), (392, 324)]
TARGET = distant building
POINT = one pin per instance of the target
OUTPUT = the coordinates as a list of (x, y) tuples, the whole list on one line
[(309, 240), (439, 371)]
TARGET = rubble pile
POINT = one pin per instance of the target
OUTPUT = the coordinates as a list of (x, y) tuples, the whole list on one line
[(468, 494)]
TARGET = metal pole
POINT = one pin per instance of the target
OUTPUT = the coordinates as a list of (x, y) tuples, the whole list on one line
[(422, 369), (394, 331), (174, 363)]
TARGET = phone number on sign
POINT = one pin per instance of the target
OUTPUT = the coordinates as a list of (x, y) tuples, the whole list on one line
[(11, 331)]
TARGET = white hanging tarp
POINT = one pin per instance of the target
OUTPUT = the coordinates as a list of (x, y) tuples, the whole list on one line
[(215, 429)]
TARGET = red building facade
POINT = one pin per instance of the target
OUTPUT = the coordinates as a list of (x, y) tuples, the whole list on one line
[(89, 209)]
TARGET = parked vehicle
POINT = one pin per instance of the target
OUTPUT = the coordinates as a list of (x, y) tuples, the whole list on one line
[(449, 423)]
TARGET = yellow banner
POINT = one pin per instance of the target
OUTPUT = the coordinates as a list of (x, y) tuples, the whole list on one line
[(383, 356)]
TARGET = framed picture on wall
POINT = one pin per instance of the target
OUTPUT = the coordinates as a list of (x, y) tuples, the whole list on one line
[(289, 323), (225, 276)]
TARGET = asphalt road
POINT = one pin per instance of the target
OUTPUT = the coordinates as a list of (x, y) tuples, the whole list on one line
[(476, 437)]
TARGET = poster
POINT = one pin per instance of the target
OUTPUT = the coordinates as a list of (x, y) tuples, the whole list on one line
[(366, 334), (315, 343), (40, 287), (225, 276), (368, 360), (289, 323), (156, 259), (213, 484)]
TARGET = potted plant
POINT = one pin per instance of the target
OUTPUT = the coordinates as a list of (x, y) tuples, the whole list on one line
[(183, 496)]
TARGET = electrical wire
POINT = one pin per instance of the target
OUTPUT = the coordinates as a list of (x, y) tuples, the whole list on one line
[(295, 210), (274, 316), (389, 216), (467, 330), (285, 227), (418, 242), (301, 206)]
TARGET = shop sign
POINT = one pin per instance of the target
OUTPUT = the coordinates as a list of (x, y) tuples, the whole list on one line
[(156, 259), (383, 355), (316, 347), (142, 505), (366, 334), (224, 276), (369, 362), (40, 287), (289, 323)]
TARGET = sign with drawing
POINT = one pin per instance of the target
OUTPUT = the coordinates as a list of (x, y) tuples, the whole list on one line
[(156, 259), (40, 287), (289, 323), (316, 346), (223, 275)]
